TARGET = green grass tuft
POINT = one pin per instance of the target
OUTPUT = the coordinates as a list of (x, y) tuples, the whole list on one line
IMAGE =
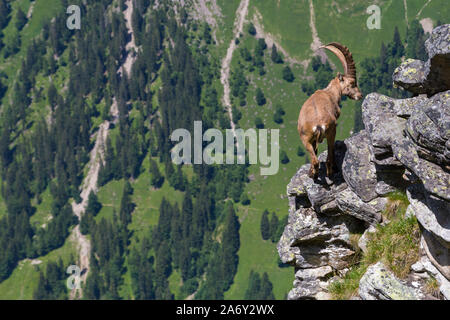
[(395, 244)]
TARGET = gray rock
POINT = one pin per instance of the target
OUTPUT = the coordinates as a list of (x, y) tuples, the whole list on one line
[(330, 208), (439, 41), (425, 265), (314, 273), (404, 108), (418, 267), (432, 213), (429, 128), (295, 186), (409, 212), (378, 283), (304, 290), (438, 254), (390, 178), (382, 123), (311, 283), (358, 171), (313, 240), (431, 76), (438, 48), (362, 242), (383, 188), (383, 158), (351, 204), (318, 194), (438, 110), (434, 178), (337, 255), (412, 76)]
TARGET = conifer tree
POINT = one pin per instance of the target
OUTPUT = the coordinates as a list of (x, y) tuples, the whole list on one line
[(287, 74), (244, 199), (4, 12), (265, 226), (266, 292), (126, 205), (284, 157), (93, 205), (251, 29), (259, 124), (254, 286), (260, 98), (274, 227), (156, 179), (21, 19), (275, 56), (300, 151)]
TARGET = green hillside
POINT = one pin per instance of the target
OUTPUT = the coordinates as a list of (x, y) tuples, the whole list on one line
[(159, 96)]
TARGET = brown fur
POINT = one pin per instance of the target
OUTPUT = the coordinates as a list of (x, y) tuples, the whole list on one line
[(318, 116)]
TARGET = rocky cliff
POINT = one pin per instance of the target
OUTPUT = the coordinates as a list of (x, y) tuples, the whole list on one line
[(405, 146)]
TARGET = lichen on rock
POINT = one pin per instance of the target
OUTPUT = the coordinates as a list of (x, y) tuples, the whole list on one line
[(428, 77), (378, 283)]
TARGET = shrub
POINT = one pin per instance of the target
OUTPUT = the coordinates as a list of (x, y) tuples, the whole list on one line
[(395, 244), (244, 199), (259, 123), (287, 74), (277, 118), (260, 98), (279, 113), (276, 57), (265, 225), (237, 114), (261, 46), (283, 157), (251, 29)]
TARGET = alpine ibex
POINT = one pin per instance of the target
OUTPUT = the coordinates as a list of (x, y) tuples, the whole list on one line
[(318, 115)]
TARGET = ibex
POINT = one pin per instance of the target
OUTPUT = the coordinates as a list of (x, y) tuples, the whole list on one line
[(318, 115)]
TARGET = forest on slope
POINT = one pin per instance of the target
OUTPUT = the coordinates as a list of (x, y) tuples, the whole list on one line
[(156, 230)]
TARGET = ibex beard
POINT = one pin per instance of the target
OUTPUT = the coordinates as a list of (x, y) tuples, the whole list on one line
[(319, 114)]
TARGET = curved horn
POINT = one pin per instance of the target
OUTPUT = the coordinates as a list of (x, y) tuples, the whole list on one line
[(345, 56)]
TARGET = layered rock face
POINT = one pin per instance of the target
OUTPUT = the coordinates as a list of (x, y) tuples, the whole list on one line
[(406, 145)]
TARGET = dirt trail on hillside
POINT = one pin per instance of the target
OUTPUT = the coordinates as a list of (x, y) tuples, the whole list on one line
[(421, 9), (270, 41), (131, 45), (30, 10), (406, 12), (316, 43), (241, 13), (97, 154), (89, 184), (210, 15)]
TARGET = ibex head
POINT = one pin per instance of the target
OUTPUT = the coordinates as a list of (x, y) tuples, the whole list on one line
[(347, 81)]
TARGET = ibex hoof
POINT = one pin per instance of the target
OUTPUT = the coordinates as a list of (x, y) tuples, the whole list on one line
[(331, 168), (313, 174)]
